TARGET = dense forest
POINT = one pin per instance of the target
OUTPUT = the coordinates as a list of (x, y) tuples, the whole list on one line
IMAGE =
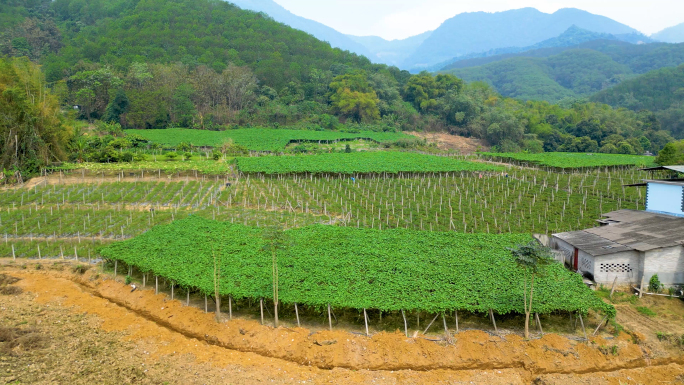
[(207, 64), (661, 91), (553, 74)]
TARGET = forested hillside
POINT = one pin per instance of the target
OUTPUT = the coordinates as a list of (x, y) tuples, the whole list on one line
[(661, 91), (556, 73), (207, 64)]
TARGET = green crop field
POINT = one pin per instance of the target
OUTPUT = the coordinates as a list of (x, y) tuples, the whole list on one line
[(569, 160), (359, 162), (257, 139), (355, 268)]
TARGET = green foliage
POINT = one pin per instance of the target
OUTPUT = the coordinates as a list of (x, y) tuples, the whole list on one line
[(355, 268), (671, 154), (256, 139), (423, 90), (654, 284), (360, 162), (128, 280), (571, 160), (532, 257), (661, 91), (31, 132), (353, 97), (171, 155), (646, 311)]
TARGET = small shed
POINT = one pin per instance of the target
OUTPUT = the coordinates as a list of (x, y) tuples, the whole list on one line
[(630, 245)]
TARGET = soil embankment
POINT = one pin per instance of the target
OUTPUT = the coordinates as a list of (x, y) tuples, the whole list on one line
[(167, 329)]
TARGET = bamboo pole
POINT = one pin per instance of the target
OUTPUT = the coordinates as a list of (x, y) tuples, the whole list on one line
[(297, 313), (583, 329), (329, 317), (261, 305), (365, 321), (405, 323), (431, 322)]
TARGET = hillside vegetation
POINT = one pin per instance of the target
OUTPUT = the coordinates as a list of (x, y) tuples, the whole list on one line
[(149, 64), (661, 91), (554, 74)]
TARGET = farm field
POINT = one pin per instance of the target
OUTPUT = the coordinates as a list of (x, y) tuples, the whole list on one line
[(257, 139), (361, 162), (353, 268), (569, 160)]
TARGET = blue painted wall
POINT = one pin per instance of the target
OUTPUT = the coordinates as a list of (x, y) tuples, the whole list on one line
[(665, 198)]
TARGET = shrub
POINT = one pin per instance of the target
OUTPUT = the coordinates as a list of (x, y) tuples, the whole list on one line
[(654, 284), (128, 280), (171, 155), (187, 156)]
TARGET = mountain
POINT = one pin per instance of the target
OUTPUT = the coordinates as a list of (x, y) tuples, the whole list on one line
[(168, 31), (552, 74), (661, 91), (318, 30), (392, 52), (468, 33), (670, 35), (572, 37)]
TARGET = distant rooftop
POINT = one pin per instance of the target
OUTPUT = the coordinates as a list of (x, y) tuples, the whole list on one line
[(663, 168), (628, 230)]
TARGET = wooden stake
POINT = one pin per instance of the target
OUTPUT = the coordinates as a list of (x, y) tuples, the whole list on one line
[(297, 313), (431, 322), (206, 305), (230, 307), (405, 323), (536, 315), (156, 285), (116, 266), (187, 301), (365, 321), (14, 257), (172, 285), (612, 290), (491, 315), (599, 325), (261, 305), (329, 317), (583, 329), (446, 329), (456, 317)]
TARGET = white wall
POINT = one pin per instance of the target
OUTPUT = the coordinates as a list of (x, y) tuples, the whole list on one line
[(664, 198), (564, 247), (668, 263), (625, 265)]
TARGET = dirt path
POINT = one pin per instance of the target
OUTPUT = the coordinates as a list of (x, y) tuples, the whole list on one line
[(127, 331), (447, 141)]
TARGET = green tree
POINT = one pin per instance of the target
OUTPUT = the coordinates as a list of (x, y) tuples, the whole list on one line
[(671, 154), (532, 259), (31, 131), (352, 96)]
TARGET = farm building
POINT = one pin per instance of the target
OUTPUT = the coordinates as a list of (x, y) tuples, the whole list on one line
[(631, 244)]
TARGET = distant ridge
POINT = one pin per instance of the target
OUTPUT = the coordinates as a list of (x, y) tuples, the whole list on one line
[(318, 30), (670, 35), (476, 32)]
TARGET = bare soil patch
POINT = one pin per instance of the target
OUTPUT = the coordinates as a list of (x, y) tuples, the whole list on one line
[(450, 142), (109, 334)]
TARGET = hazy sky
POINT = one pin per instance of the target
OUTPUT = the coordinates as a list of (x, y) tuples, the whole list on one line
[(398, 19)]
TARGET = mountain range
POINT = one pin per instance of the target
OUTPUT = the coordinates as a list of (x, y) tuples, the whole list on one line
[(464, 36), (670, 35), (580, 70)]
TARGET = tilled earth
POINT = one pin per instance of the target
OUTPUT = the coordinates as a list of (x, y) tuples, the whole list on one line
[(57, 327)]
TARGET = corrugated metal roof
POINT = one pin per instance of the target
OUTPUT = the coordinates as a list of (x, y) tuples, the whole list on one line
[(675, 182), (663, 168), (631, 230)]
